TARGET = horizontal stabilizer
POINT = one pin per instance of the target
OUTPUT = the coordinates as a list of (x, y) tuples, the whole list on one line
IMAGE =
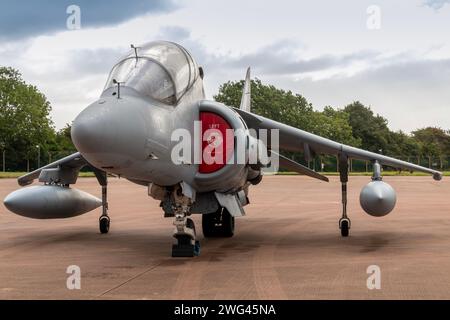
[(289, 164)]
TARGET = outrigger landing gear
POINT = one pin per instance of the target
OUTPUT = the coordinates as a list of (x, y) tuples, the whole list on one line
[(344, 222), (187, 245), (104, 220)]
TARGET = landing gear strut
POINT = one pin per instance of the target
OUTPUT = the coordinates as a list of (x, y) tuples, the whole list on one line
[(187, 245), (344, 222), (104, 220)]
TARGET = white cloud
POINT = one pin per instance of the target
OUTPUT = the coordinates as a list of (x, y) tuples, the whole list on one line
[(436, 4), (320, 49)]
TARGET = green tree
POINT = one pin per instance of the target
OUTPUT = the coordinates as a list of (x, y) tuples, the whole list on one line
[(334, 124), (270, 102), (433, 141), (372, 130), (402, 145), (64, 139), (25, 120), (289, 108)]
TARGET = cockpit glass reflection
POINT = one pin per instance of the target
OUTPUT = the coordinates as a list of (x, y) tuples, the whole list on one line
[(146, 77), (161, 70)]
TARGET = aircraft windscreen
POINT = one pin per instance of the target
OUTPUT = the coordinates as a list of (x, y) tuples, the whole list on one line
[(146, 77), (162, 70)]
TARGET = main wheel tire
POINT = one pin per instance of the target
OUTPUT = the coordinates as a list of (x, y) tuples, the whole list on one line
[(208, 223), (227, 229), (218, 224), (104, 223)]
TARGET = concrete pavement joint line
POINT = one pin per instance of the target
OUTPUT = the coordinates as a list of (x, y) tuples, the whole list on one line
[(130, 279)]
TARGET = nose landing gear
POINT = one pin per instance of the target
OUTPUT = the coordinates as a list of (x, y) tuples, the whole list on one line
[(187, 245), (218, 224), (185, 234)]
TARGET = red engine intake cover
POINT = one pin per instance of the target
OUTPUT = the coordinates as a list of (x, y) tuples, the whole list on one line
[(217, 143)]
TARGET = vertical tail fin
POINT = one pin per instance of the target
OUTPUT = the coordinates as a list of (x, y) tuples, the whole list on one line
[(246, 94)]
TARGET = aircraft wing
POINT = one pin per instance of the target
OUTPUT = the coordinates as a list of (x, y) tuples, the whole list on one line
[(293, 139), (74, 161)]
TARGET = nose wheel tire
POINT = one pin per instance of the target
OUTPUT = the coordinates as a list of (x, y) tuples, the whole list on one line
[(104, 223), (186, 245), (185, 249), (218, 224)]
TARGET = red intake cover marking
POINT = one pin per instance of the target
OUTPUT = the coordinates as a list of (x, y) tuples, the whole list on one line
[(223, 151)]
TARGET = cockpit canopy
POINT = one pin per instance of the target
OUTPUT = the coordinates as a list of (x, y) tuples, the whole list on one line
[(161, 70)]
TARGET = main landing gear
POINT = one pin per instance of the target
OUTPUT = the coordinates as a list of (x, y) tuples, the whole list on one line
[(187, 245), (344, 222), (218, 224)]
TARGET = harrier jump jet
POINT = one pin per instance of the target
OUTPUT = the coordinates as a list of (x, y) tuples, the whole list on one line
[(152, 91)]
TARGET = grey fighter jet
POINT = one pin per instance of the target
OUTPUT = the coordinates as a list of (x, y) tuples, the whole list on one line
[(151, 92)]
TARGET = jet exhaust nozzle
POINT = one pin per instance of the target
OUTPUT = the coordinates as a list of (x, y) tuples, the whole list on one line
[(50, 202), (377, 198)]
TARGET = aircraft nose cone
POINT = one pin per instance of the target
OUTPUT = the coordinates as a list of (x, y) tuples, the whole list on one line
[(110, 133), (89, 131)]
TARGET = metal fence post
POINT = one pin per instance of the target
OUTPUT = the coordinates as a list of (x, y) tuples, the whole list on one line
[(39, 156)]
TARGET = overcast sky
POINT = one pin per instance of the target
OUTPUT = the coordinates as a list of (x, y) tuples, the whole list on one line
[(331, 52)]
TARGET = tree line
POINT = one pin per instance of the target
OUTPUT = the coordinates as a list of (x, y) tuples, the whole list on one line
[(27, 131), (354, 124), (26, 128)]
